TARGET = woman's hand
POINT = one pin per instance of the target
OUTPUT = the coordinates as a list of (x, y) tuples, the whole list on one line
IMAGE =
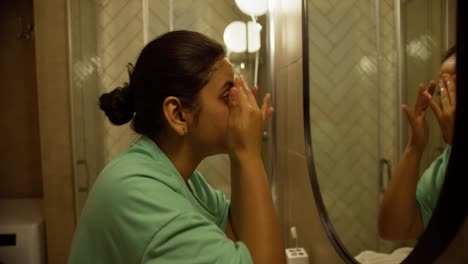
[(417, 118), (267, 111), (445, 110), (252, 212), (246, 120)]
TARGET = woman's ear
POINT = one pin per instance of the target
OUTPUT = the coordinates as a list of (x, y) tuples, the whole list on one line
[(175, 116)]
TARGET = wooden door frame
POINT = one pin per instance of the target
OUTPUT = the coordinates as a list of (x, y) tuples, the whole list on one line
[(55, 126)]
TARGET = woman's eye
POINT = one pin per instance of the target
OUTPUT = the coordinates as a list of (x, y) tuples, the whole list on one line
[(225, 95)]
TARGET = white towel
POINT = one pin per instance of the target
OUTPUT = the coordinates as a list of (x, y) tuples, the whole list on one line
[(372, 257)]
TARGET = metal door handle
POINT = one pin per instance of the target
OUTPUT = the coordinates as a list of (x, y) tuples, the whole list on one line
[(384, 168), (84, 164)]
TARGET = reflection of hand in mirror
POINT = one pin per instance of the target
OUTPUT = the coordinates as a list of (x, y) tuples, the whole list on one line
[(409, 200), (417, 118), (445, 110), (399, 216)]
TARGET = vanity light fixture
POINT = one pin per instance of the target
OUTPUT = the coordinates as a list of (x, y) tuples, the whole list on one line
[(253, 8), (240, 36)]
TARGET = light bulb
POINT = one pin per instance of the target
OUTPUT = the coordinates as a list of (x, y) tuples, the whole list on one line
[(235, 36), (253, 7), (253, 34)]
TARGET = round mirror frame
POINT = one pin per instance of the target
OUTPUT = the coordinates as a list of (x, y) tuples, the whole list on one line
[(327, 225)]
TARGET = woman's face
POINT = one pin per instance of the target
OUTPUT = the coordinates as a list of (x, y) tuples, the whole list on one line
[(208, 131), (449, 67)]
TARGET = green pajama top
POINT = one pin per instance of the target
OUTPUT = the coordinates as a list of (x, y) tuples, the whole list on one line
[(430, 184), (140, 210)]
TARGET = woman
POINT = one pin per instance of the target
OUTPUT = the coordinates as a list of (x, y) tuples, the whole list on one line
[(410, 199), (445, 238), (149, 204)]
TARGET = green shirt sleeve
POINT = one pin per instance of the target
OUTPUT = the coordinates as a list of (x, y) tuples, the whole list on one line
[(190, 238), (429, 186)]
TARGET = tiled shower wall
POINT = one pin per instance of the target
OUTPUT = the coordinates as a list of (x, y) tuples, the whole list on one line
[(353, 108), (120, 39), (105, 36)]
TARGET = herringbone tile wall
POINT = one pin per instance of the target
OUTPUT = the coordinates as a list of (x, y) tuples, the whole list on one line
[(347, 98), (209, 17), (159, 18), (120, 39), (105, 35)]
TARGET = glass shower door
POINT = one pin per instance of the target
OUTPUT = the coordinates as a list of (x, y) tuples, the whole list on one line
[(104, 37)]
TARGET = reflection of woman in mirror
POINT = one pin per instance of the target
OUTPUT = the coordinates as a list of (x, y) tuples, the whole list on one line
[(445, 239), (409, 200), (149, 204)]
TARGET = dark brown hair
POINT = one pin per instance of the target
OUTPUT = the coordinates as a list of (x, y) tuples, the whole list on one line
[(449, 53), (178, 63)]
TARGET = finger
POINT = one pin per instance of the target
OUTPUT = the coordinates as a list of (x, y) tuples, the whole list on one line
[(234, 97), (434, 106), (432, 87), (265, 107), (245, 81), (255, 91), (421, 101), (242, 96), (452, 91), (443, 86), (444, 97), (239, 84), (409, 115), (270, 111), (248, 92)]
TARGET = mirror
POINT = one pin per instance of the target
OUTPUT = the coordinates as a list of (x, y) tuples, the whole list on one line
[(364, 59), (106, 35)]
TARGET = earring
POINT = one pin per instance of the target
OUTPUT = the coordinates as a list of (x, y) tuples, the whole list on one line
[(185, 131)]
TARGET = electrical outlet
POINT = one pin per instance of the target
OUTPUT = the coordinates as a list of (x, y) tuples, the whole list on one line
[(297, 256)]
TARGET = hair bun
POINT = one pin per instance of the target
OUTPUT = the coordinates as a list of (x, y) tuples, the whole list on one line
[(118, 105)]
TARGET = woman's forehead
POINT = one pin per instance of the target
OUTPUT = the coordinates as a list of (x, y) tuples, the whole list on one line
[(223, 67), (448, 66)]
